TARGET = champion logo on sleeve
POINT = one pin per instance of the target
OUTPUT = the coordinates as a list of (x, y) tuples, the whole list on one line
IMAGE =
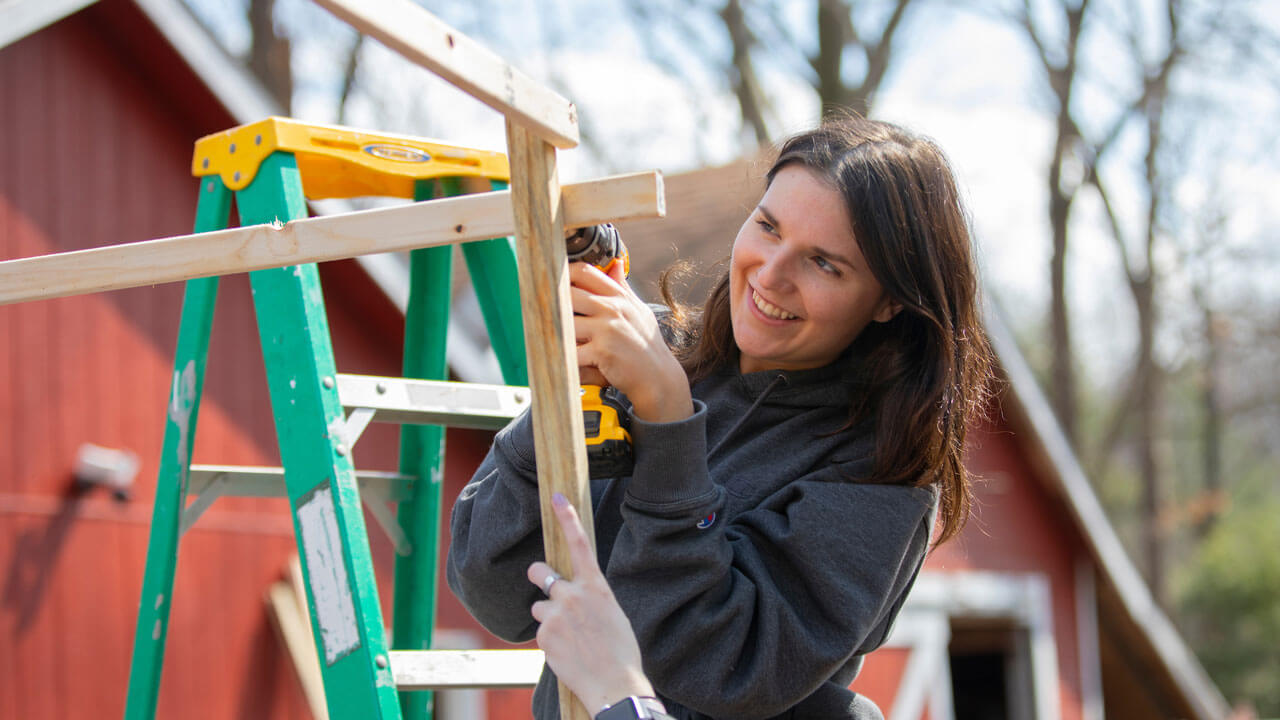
[(707, 522)]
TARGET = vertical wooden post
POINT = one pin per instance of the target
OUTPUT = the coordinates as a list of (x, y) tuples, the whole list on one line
[(551, 346)]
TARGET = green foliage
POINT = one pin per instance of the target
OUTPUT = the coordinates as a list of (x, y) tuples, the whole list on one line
[(1230, 604)]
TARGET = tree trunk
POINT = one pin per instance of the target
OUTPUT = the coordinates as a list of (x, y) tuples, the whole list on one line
[(1211, 430), (1150, 384), (833, 21), (1062, 376), (269, 57), (1061, 77), (745, 84)]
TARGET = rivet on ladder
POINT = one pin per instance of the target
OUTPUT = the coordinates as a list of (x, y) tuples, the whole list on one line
[(328, 382), (205, 164), (257, 139), (381, 388), (381, 661), (233, 148), (237, 176), (340, 449)]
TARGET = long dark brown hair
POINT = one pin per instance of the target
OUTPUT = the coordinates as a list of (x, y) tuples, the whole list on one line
[(923, 375)]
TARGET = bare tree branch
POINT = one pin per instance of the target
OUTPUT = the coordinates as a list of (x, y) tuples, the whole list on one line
[(879, 54), (349, 75), (745, 84)]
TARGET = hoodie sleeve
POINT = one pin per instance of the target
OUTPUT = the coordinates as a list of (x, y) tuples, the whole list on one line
[(496, 533), (746, 618)]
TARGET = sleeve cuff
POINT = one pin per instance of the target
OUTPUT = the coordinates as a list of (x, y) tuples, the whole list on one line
[(671, 461), (516, 443)]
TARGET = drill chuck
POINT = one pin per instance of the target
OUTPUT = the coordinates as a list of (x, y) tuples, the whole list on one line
[(600, 245)]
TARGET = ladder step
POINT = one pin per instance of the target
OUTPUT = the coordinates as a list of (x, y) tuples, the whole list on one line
[(433, 402), (465, 669), (250, 481)]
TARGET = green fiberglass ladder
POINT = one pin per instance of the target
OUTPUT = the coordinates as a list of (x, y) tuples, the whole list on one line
[(273, 167)]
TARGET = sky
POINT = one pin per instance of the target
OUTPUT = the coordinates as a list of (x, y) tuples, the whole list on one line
[(967, 80)]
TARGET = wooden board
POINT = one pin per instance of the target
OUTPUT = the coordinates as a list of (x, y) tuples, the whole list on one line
[(438, 222), (423, 39), (552, 350)]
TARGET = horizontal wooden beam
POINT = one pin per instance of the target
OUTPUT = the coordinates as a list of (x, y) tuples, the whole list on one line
[(333, 237), (423, 39)]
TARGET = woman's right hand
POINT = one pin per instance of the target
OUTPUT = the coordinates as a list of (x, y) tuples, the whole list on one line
[(620, 344)]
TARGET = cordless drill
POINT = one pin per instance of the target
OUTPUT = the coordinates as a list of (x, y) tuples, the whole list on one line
[(608, 442)]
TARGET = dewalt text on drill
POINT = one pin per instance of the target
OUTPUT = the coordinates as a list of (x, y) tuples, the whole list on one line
[(603, 415)]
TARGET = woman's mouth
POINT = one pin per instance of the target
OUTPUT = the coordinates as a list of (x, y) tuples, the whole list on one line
[(769, 309)]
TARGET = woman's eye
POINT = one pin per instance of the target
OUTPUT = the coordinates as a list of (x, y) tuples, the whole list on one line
[(766, 226), (825, 265)]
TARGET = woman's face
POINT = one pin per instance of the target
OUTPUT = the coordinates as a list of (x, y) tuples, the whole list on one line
[(799, 289)]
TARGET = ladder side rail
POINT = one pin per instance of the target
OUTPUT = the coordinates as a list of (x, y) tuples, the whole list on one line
[(327, 512), (552, 349), (422, 453), (492, 267), (212, 212)]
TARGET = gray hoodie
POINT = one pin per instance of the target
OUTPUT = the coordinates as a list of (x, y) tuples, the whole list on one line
[(756, 575)]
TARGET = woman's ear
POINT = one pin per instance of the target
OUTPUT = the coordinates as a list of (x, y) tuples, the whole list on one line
[(887, 310)]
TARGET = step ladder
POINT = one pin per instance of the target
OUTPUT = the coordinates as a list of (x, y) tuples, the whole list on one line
[(273, 167)]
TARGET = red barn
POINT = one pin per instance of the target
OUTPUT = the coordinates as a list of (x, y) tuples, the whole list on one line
[(1034, 611)]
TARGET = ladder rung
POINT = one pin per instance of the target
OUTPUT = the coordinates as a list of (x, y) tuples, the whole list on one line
[(250, 481), (433, 402), (463, 669)]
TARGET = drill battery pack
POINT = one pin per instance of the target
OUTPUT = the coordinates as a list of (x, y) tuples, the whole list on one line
[(609, 451)]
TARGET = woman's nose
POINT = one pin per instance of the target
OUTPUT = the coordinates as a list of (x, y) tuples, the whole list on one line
[(774, 271)]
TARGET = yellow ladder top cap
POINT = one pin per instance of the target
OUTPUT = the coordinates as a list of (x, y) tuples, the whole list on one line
[(340, 162)]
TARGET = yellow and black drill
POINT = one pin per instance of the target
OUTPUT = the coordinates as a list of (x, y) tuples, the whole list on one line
[(603, 414)]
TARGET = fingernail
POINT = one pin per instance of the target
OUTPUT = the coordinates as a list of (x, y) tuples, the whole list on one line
[(559, 500)]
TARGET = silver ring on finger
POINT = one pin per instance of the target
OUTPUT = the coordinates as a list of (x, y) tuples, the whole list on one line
[(548, 582)]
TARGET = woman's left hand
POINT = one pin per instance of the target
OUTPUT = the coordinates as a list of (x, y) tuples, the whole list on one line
[(618, 337), (587, 639)]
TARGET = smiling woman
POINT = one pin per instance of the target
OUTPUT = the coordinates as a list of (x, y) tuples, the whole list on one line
[(790, 459)]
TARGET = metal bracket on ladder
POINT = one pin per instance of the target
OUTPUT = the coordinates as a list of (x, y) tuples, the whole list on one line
[(215, 481)]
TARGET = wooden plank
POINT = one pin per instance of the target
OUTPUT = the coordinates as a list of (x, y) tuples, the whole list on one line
[(256, 247), (293, 626), (423, 39), (550, 343), (465, 669)]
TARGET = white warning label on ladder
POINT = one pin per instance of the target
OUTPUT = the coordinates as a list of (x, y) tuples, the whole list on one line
[(327, 575)]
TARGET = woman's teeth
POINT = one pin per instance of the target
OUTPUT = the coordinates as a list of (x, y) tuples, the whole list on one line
[(770, 309)]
